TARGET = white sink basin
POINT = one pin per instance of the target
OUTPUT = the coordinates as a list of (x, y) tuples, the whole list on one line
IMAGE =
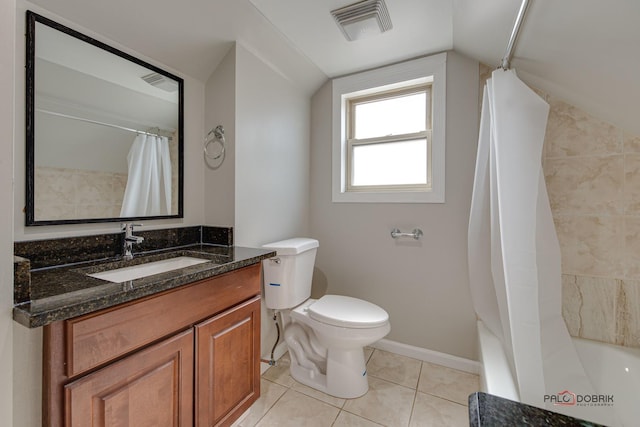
[(125, 274)]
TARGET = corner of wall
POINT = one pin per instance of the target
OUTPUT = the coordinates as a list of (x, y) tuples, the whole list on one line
[(220, 109), (272, 153)]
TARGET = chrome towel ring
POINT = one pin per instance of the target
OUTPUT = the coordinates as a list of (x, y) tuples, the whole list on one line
[(215, 135)]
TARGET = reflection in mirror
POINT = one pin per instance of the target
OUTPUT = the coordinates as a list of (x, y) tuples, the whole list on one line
[(104, 131)]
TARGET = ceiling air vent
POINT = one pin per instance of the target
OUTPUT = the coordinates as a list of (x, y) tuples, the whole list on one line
[(363, 19), (161, 82)]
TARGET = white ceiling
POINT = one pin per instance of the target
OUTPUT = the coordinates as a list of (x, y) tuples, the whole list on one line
[(420, 27), (583, 51), (191, 37)]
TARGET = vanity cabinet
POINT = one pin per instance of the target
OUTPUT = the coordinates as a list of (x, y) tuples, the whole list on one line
[(184, 357)]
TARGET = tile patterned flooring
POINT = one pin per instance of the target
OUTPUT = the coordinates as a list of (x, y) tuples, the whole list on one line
[(403, 392)]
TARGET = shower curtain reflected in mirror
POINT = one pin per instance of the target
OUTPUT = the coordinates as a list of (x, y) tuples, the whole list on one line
[(514, 254), (148, 191)]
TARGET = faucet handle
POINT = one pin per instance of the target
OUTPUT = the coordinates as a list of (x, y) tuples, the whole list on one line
[(128, 225)]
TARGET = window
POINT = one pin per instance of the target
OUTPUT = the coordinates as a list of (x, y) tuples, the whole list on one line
[(388, 140), (388, 134)]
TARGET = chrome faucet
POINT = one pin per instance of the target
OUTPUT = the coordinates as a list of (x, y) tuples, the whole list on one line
[(129, 240)]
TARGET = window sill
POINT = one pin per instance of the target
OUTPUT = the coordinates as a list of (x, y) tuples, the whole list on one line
[(433, 196)]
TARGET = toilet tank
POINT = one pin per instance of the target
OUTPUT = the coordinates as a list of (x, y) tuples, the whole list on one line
[(287, 276)]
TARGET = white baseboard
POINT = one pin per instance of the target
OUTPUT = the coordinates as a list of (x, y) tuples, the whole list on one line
[(426, 355)]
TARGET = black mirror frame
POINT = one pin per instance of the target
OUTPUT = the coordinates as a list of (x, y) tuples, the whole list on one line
[(31, 19)]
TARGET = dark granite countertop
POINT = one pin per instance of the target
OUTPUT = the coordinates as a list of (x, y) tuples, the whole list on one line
[(487, 410), (59, 293)]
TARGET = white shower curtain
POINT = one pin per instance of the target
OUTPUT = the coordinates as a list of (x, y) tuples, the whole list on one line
[(148, 191), (514, 255)]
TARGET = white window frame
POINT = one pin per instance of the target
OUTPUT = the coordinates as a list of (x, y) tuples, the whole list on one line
[(431, 69), (352, 141)]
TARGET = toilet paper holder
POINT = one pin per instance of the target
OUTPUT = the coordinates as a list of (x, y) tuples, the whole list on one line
[(416, 233)]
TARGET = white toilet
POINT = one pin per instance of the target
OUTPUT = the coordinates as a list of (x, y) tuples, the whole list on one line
[(326, 336)]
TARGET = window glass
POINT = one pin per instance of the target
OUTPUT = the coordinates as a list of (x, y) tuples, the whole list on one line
[(391, 116), (393, 163)]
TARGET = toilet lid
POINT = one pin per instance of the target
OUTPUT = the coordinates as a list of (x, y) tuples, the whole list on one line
[(348, 312)]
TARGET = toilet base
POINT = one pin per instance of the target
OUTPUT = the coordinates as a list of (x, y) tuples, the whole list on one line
[(346, 376)]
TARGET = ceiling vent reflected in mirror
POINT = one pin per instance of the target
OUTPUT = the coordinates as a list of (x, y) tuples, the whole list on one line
[(161, 82), (363, 19)]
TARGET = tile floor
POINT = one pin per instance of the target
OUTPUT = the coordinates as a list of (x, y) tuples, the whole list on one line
[(402, 392)]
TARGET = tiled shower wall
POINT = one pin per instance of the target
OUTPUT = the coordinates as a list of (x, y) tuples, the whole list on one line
[(592, 171), (64, 193)]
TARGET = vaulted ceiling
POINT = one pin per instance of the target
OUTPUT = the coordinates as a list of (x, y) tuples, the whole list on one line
[(583, 51)]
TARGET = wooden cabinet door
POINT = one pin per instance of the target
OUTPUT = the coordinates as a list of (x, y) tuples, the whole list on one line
[(227, 364), (150, 388)]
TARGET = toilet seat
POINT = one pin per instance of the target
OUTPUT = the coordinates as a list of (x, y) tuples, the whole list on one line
[(347, 312)]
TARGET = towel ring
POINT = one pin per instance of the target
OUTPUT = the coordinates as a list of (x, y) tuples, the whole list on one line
[(215, 135)]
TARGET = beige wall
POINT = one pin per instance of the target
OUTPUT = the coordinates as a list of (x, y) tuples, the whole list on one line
[(7, 93), (592, 170), (272, 154), (262, 186), (220, 109), (423, 285)]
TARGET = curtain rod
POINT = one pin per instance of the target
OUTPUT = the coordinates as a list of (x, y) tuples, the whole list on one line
[(506, 60), (82, 119)]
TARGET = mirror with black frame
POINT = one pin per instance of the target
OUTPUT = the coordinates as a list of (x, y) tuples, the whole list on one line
[(104, 131)]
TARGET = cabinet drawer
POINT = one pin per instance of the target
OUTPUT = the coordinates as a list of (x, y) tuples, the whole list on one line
[(95, 339)]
